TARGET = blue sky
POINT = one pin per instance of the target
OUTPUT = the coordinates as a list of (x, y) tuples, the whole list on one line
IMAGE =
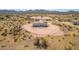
[(39, 4)]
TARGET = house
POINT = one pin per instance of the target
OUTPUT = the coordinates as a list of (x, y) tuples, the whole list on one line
[(40, 24)]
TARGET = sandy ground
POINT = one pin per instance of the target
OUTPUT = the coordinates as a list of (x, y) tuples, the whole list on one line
[(50, 30)]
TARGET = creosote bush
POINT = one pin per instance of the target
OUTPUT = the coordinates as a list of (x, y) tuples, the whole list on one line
[(4, 33), (40, 43)]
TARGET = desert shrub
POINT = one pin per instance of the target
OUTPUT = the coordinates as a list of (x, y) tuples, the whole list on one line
[(40, 43), (67, 34), (59, 40), (29, 37), (74, 34), (36, 43), (2, 39), (4, 33), (10, 32), (7, 16), (1, 28), (67, 20), (15, 40), (76, 22), (25, 45), (28, 17), (67, 28), (77, 28), (29, 22), (60, 20), (71, 43), (15, 30), (60, 25), (63, 38), (75, 18), (27, 31), (3, 46), (2, 18)]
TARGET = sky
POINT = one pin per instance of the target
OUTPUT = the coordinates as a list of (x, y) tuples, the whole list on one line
[(39, 4)]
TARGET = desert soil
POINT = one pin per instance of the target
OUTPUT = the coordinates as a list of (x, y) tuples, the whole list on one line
[(50, 30)]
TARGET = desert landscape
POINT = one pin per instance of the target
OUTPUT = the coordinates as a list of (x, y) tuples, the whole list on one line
[(39, 30)]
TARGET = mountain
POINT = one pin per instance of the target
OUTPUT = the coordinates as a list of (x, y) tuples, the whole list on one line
[(40, 11)]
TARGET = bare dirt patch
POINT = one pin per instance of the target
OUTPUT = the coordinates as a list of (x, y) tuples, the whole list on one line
[(50, 30)]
